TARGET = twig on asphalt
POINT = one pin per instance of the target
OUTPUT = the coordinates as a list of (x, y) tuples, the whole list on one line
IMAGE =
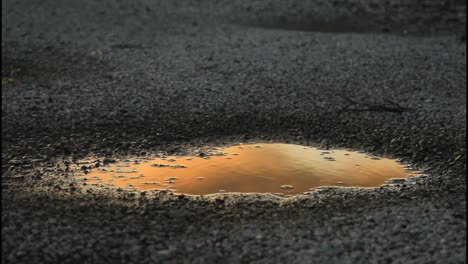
[(390, 106)]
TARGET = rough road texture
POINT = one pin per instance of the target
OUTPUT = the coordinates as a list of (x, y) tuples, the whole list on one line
[(118, 78)]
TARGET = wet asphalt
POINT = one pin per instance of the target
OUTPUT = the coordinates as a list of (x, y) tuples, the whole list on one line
[(121, 79)]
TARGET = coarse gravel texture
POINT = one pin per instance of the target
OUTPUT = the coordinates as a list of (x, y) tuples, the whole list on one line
[(119, 79)]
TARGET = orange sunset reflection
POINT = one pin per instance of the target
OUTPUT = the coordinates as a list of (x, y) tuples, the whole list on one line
[(252, 168)]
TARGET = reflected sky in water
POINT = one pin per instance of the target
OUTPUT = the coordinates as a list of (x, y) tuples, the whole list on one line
[(248, 168)]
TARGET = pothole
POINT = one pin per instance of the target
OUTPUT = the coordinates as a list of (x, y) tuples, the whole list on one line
[(248, 168)]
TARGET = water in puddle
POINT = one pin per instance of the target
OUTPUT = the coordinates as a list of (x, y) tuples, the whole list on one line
[(252, 168)]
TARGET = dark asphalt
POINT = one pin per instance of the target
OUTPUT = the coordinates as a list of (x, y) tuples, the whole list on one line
[(120, 78)]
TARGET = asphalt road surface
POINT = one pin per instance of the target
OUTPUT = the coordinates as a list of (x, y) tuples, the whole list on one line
[(129, 78)]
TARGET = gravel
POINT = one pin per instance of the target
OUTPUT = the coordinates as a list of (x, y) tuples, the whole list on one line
[(130, 80)]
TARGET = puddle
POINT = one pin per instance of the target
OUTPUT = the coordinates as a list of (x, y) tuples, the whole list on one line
[(251, 168)]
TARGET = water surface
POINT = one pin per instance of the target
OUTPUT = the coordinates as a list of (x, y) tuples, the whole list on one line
[(252, 168)]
